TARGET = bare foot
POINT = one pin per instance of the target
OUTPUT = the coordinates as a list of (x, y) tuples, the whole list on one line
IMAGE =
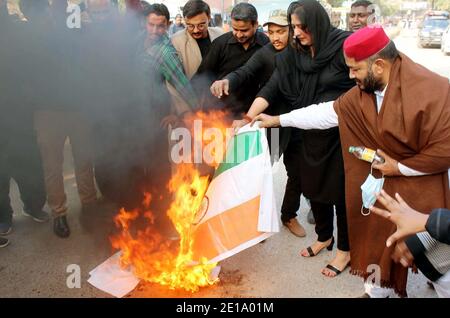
[(340, 262), (316, 248)]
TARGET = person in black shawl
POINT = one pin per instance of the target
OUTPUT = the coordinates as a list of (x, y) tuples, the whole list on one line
[(312, 71)]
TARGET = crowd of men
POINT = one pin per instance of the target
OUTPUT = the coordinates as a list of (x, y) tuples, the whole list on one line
[(114, 86)]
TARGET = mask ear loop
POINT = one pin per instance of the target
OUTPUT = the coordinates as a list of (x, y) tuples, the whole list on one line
[(362, 206), (362, 211)]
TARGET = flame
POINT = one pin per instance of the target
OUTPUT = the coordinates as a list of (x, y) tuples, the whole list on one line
[(217, 119), (151, 256)]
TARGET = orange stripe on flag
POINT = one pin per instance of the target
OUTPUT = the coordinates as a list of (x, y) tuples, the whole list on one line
[(227, 230)]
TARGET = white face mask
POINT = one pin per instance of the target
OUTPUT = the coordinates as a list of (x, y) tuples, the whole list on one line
[(369, 190)]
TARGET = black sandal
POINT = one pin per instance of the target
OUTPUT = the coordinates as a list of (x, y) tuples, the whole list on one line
[(336, 270), (311, 252)]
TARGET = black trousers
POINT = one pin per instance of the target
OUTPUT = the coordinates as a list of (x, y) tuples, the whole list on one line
[(291, 200), (324, 216), (20, 160)]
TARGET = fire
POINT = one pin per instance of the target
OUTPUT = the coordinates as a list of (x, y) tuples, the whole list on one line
[(154, 258)]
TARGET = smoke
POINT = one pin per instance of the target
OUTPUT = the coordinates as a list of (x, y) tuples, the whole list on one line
[(91, 73)]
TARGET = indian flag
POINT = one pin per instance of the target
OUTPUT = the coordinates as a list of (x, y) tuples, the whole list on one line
[(238, 209)]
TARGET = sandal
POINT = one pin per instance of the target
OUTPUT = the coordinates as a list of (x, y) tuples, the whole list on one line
[(311, 252), (336, 270)]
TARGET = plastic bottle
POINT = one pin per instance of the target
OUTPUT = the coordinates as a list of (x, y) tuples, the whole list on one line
[(366, 154)]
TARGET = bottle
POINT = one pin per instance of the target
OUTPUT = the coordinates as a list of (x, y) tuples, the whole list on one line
[(366, 154)]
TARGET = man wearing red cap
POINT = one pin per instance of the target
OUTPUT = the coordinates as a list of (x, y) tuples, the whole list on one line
[(404, 109)]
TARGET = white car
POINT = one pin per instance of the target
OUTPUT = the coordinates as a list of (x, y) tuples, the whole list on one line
[(445, 42)]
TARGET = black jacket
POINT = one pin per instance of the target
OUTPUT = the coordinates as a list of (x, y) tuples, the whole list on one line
[(257, 71), (225, 56), (431, 249)]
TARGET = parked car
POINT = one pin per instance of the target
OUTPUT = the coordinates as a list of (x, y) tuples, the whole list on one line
[(445, 42), (432, 28)]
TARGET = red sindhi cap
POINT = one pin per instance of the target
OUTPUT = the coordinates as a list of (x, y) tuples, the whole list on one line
[(365, 42)]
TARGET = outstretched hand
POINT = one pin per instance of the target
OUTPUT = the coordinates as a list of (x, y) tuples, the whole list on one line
[(408, 220)]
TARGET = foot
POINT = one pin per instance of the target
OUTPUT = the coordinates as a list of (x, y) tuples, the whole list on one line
[(5, 227), (316, 248), (3, 242), (295, 227), (60, 226), (310, 217), (337, 265), (38, 215)]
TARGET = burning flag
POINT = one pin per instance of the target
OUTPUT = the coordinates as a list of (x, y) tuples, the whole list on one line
[(236, 211)]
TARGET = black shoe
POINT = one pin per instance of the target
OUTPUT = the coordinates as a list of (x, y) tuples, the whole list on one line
[(60, 226), (5, 227), (3, 242), (39, 215)]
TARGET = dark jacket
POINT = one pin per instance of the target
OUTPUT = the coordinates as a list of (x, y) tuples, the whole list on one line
[(438, 225), (431, 249), (225, 56), (258, 70)]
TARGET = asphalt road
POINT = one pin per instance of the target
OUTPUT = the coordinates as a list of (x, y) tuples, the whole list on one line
[(35, 263)]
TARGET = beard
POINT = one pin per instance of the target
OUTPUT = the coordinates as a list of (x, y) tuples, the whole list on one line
[(370, 84)]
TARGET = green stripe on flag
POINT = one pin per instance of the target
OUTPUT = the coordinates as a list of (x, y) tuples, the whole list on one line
[(242, 148)]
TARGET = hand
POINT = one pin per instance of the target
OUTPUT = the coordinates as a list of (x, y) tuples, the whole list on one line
[(408, 221), (237, 124), (389, 167), (172, 120), (266, 121), (218, 88), (403, 255)]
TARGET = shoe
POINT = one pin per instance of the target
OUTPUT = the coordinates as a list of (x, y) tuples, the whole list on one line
[(335, 269), (5, 228), (60, 226), (310, 217), (4, 242), (38, 216), (311, 252), (295, 227)]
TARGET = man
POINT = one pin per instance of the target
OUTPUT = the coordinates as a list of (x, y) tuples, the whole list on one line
[(359, 14), (177, 25), (158, 47), (159, 65), (19, 154), (60, 117), (427, 239), (260, 66), (194, 43), (385, 111), (229, 52)]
